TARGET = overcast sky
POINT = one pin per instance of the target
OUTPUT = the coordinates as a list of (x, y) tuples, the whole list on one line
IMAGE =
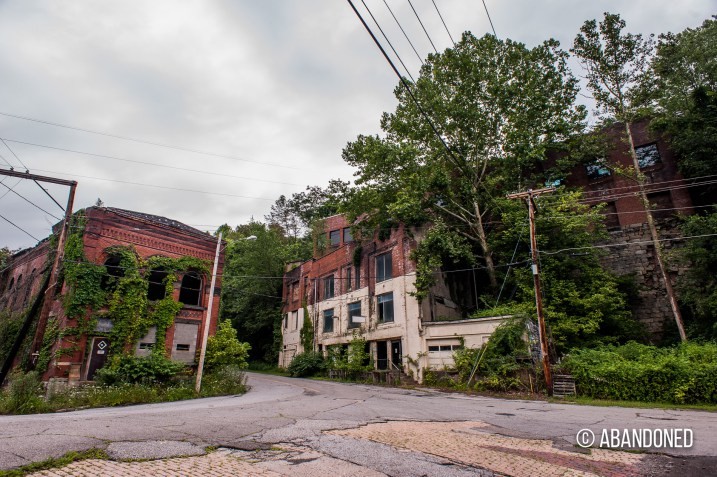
[(274, 87)]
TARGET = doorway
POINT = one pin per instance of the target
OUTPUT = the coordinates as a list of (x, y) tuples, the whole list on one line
[(98, 355), (381, 355), (396, 354)]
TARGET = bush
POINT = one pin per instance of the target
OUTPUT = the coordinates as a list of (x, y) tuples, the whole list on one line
[(309, 363), (224, 349), (685, 374), (224, 380), (154, 369), (23, 395)]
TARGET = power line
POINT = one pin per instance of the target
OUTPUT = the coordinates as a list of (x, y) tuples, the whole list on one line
[(388, 41), (30, 202), (153, 185), (19, 228), (625, 244), (136, 161), (444, 23), (404, 32), (11, 188), (489, 19), (13, 153), (128, 138), (424, 28), (5, 161)]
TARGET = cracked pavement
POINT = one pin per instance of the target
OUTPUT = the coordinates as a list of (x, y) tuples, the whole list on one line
[(285, 426)]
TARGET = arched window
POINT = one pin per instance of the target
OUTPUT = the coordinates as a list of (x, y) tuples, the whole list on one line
[(191, 291), (113, 273), (157, 289), (12, 282)]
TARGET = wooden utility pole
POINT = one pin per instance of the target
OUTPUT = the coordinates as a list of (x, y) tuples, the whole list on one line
[(208, 320), (52, 279), (544, 357)]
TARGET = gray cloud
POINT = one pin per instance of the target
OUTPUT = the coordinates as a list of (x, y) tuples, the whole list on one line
[(273, 81)]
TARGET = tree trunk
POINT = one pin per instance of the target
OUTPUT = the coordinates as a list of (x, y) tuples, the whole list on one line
[(655, 236), (487, 252)]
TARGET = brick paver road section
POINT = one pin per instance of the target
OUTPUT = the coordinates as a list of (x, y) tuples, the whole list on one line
[(468, 443), (216, 464)]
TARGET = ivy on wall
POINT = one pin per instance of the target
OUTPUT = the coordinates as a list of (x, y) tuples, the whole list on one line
[(92, 292)]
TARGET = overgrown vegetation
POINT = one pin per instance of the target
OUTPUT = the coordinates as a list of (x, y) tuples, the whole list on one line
[(308, 363), (55, 462), (684, 374)]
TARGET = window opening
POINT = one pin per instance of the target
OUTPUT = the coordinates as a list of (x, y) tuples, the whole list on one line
[(329, 321), (383, 267), (190, 292), (335, 238), (328, 287), (385, 307), (157, 289), (354, 311), (647, 155)]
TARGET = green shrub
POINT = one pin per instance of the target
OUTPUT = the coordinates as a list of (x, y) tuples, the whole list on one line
[(154, 369), (309, 363), (685, 374), (224, 380), (224, 349), (23, 395)]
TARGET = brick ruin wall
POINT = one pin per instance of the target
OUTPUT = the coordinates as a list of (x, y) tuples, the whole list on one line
[(638, 259)]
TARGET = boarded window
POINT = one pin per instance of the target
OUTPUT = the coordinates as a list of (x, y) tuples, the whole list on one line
[(191, 291), (185, 342), (612, 220), (661, 204)]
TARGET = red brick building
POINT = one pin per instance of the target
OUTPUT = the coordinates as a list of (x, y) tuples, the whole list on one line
[(365, 288), (77, 358)]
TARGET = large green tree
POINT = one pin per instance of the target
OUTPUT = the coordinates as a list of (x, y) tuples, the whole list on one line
[(252, 286), (498, 106), (617, 67)]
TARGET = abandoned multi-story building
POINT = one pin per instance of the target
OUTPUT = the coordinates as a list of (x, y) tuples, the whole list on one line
[(366, 289), (608, 180), (76, 353)]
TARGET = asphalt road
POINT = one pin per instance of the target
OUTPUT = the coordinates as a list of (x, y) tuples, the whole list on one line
[(285, 410)]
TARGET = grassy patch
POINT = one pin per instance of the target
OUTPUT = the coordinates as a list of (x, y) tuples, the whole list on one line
[(587, 401), (54, 463), (27, 390)]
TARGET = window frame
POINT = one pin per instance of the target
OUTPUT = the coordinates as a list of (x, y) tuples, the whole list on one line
[(328, 285), (335, 237), (384, 272), (347, 231), (382, 302), (351, 313), (328, 317)]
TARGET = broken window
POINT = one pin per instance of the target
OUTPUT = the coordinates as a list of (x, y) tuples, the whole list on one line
[(329, 320), (157, 289), (647, 155), (328, 287), (355, 319), (383, 267), (385, 307), (113, 272), (335, 238), (190, 292), (597, 169)]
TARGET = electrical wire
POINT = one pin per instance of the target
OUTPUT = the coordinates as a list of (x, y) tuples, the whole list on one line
[(388, 41), (489, 19), (624, 244), (30, 202), (153, 185), (444, 23), (422, 26), (19, 228), (13, 153), (128, 138), (148, 163), (404, 32)]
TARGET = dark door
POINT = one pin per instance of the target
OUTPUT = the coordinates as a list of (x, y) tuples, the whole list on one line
[(98, 357), (396, 353), (381, 355)]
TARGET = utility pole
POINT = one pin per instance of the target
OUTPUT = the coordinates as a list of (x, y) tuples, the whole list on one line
[(544, 357), (52, 278), (208, 321)]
